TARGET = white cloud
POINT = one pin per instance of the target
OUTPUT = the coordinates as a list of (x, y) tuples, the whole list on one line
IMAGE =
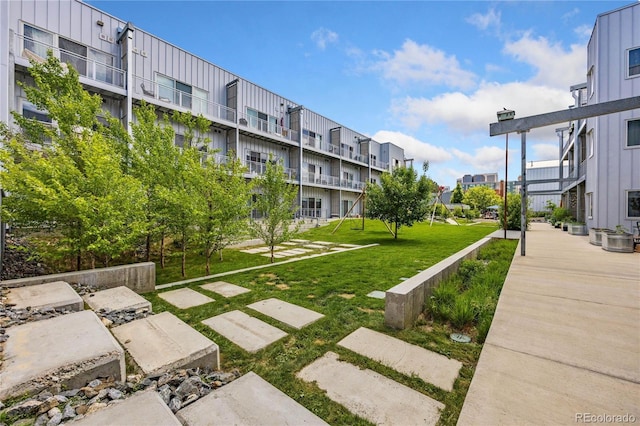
[(482, 22), (583, 31), (472, 113), (414, 148), (486, 159), (569, 15), (322, 37), (555, 66), (545, 151), (414, 62)]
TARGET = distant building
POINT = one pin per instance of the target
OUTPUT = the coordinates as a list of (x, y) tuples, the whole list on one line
[(489, 180), (540, 193)]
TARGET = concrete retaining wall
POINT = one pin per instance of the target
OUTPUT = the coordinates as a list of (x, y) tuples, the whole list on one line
[(139, 277), (405, 302)]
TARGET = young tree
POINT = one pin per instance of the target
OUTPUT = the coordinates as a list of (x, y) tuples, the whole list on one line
[(401, 199), (275, 203), (77, 185), (458, 195), (514, 201), (224, 208), (481, 197)]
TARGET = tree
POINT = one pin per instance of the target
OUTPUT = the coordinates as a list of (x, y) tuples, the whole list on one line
[(457, 196), (401, 199), (77, 185), (514, 202), (224, 208), (275, 204), (481, 197)]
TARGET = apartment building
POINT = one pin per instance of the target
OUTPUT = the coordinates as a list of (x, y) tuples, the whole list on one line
[(329, 162), (547, 173), (602, 187), (490, 180)]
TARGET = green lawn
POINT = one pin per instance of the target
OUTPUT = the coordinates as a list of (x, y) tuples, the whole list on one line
[(336, 286)]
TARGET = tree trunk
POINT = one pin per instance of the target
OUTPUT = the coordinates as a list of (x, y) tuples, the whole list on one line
[(162, 251), (272, 258), (78, 260), (207, 267), (184, 256), (147, 248), (395, 234)]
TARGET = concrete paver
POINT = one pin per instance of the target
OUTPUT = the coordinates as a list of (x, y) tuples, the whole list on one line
[(249, 333), (564, 340), (377, 294), (314, 246), (249, 400), (143, 408), (57, 294), (37, 351), (323, 243), (185, 298), (225, 289), (404, 357), (163, 342), (368, 394), (293, 315), (116, 299)]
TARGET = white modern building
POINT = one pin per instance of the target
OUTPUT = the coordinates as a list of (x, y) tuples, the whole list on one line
[(602, 187), (547, 171), (329, 162)]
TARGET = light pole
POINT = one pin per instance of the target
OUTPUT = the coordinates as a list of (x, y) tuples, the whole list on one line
[(504, 115)]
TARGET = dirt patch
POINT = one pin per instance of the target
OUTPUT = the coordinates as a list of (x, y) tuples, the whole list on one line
[(371, 311), (347, 295), (269, 275), (282, 287), (311, 296), (319, 342)]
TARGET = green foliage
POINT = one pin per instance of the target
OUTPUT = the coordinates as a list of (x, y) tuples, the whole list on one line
[(514, 201), (560, 214), (471, 214), (462, 313), (481, 197), (457, 196), (470, 268), (457, 212), (443, 299), (402, 198), (275, 204), (443, 211)]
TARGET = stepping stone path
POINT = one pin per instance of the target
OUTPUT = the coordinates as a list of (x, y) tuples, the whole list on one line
[(185, 298), (377, 294), (66, 350), (293, 315), (249, 400), (117, 299), (251, 334), (314, 246), (162, 342), (55, 295), (370, 395), (225, 289), (143, 408), (404, 357)]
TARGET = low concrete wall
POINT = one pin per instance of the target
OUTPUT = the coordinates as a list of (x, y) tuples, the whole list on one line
[(405, 302), (139, 277)]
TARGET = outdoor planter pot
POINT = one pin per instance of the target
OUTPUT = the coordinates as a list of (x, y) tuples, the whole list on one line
[(595, 235), (577, 229), (618, 242), (565, 226)]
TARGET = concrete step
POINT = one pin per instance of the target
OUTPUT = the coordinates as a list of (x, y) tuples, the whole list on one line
[(249, 333), (249, 400), (404, 357), (56, 295), (368, 394), (143, 408), (185, 298), (293, 315), (69, 350), (162, 342), (225, 289), (117, 299)]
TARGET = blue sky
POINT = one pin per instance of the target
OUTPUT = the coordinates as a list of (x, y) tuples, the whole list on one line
[(426, 75)]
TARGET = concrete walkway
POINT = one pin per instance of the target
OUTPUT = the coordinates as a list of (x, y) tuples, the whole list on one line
[(564, 346)]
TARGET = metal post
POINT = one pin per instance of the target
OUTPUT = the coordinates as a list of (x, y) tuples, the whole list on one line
[(523, 201), (506, 182)]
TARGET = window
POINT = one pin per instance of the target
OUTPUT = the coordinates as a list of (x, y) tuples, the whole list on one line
[(170, 90), (101, 65), (633, 133), (633, 62), (37, 40), (74, 54), (179, 140), (590, 83), (312, 207), (590, 142), (313, 139), (633, 204), (258, 120), (29, 110), (589, 203), (256, 161), (347, 150)]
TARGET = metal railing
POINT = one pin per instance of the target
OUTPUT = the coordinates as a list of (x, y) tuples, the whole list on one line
[(313, 213), (320, 179), (265, 126), (151, 89), (259, 168), (94, 70)]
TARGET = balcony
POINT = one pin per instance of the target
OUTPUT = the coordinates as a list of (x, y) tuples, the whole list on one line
[(259, 168), (317, 179), (91, 69), (159, 94), (273, 129)]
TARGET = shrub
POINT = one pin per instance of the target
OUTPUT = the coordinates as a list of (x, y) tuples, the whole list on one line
[(471, 214), (484, 324), (514, 203), (443, 299), (463, 312), (468, 269), (457, 212)]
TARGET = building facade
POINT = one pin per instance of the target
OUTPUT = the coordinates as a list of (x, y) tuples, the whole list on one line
[(490, 180), (538, 194), (602, 187), (329, 162)]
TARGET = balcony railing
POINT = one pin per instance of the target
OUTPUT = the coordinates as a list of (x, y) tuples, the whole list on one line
[(86, 67), (259, 168), (320, 179), (320, 145), (150, 89), (313, 213), (379, 164), (265, 126)]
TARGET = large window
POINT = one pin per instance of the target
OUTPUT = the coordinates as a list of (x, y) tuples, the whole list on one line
[(633, 204), (313, 139), (258, 120), (176, 92), (633, 62), (633, 132), (74, 54), (37, 40)]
